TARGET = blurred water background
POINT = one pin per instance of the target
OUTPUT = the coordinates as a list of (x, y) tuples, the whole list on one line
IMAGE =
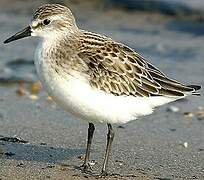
[(161, 29)]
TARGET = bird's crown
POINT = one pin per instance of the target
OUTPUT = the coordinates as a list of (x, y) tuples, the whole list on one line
[(47, 10)]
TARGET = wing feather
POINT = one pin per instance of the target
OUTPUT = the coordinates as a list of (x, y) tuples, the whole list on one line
[(115, 68)]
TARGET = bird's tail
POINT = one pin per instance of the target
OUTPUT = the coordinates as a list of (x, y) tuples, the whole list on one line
[(195, 89)]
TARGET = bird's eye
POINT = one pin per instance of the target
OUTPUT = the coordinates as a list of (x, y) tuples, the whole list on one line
[(46, 22)]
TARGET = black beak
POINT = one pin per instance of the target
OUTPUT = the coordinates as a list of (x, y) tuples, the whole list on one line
[(19, 35)]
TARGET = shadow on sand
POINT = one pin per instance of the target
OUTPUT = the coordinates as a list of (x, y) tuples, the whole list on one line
[(39, 153)]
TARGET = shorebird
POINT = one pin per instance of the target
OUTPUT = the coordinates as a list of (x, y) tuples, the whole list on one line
[(94, 77)]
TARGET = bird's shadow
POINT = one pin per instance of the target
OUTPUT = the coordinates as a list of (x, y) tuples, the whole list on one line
[(39, 153)]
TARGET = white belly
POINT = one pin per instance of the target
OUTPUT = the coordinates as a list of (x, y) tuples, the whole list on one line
[(77, 97)]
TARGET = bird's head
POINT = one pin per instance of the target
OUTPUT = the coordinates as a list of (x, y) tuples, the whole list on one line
[(48, 21)]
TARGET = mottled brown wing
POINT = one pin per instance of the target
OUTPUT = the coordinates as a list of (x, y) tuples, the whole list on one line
[(115, 68)]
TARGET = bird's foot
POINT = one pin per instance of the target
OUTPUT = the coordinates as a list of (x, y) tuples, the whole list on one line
[(86, 168), (103, 174)]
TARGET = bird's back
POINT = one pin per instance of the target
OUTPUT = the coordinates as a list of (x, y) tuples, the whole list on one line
[(117, 69)]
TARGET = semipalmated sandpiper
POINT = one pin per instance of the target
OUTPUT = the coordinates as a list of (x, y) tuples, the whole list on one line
[(94, 77)]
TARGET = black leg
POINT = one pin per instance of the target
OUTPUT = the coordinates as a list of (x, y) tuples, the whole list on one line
[(110, 137), (91, 129)]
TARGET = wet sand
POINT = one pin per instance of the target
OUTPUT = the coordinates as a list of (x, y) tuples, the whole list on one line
[(168, 144)]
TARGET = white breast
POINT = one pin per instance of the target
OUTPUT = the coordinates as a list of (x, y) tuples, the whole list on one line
[(77, 97)]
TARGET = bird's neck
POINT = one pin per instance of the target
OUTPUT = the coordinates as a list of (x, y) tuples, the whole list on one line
[(60, 53), (57, 39)]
